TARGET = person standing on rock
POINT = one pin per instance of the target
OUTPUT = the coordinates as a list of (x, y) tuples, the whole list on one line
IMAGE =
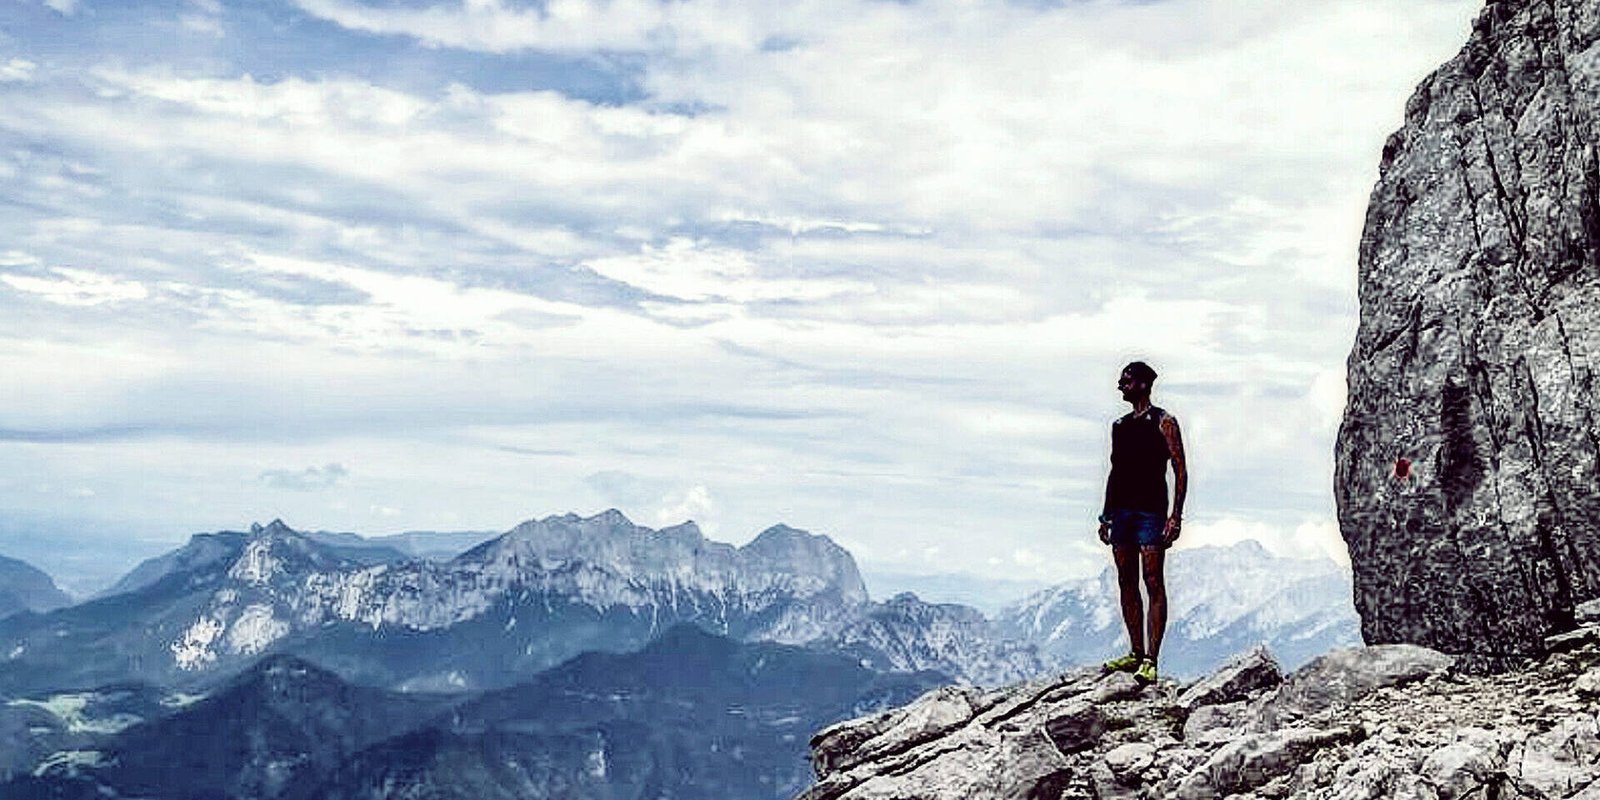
[(1134, 519)]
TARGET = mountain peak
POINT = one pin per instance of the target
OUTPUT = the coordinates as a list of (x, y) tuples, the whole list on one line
[(781, 530), (804, 553), (612, 516), (277, 527)]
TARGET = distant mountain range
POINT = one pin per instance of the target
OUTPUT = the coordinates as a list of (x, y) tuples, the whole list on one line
[(492, 616), (550, 589), (568, 657), (1221, 601), (26, 588), (693, 714)]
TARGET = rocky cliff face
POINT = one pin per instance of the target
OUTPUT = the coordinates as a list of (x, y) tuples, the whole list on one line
[(1466, 476), (1386, 721)]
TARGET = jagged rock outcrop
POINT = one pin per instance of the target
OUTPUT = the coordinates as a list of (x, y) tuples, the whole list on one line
[(1386, 721), (1466, 463)]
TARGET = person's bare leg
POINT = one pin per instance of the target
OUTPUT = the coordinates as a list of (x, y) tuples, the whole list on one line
[(1127, 559), (1155, 585)]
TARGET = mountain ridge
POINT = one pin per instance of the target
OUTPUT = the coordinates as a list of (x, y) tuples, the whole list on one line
[(1299, 607)]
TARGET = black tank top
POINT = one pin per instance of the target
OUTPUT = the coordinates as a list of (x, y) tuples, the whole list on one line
[(1139, 457)]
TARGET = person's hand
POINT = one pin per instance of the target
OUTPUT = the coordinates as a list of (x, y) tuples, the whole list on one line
[(1105, 533), (1170, 534)]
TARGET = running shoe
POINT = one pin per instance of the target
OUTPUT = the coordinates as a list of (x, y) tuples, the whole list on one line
[(1146, 673), (1127, 663)]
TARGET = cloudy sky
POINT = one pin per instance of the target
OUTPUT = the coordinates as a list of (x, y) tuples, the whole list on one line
[(865, 267)]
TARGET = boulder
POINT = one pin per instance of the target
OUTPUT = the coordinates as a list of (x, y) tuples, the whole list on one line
[(1243, 676), (1587, 685), (1564, 759), (1129, 761), (1467, 459), (1464, 767), (1078, 726), (847, 744), (1211, 722), (1342, 676), (1252, 760)]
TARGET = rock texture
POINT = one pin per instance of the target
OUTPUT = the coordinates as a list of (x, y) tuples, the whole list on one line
[(1386, 721), (1466, 475)]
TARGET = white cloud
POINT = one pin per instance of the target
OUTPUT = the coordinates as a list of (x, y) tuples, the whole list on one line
[(202, 24), (305, 480), (17, 70), (78, 287), (694, 503), (688, 270), (560, 25), (63, 7), (892, 266)]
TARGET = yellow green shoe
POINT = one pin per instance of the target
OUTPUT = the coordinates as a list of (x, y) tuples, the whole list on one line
[(1146, 673), (1127, 663)]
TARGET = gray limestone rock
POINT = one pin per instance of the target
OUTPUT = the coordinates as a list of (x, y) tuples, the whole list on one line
[(1466, 461), (1465, 766), (1217, 722), (1559, 762), (1077, 727), (1129, 762), (1250, 761), (1571, 640), (1381, 722), (849, 743), (1587, 685), (1587, 612), (1238, 679), (1342, 676), (1116, 686)]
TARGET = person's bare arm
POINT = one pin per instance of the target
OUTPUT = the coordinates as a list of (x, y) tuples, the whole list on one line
[(1104, 531), (1180, 475)]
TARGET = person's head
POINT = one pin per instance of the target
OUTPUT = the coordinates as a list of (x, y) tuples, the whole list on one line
[(1135, 381)]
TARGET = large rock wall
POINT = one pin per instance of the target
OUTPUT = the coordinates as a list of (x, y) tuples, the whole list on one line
[(1476, 355)]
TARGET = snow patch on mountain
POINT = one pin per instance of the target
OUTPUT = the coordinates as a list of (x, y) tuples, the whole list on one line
[(254, 630), (193, 650)]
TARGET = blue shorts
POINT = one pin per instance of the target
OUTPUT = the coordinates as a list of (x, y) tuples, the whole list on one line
[(1137, 528)]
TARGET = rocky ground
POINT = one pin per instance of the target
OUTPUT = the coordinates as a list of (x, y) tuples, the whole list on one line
[(1389, 721)]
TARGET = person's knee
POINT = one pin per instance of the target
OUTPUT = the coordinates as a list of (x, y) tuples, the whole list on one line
[(1155, 584)]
